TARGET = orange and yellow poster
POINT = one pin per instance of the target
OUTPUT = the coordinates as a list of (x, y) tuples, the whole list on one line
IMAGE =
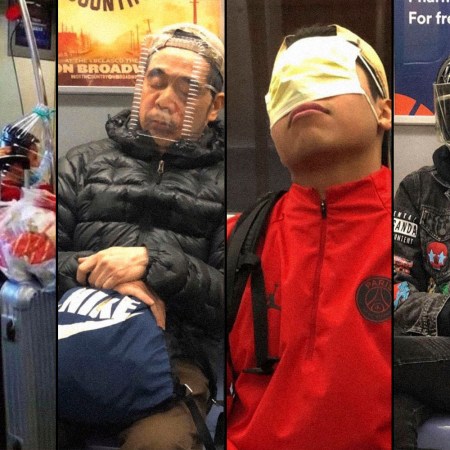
[(98, 40)]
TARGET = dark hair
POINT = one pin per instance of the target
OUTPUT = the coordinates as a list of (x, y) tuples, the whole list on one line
[(214, 78), (312, 31), (330, 30)]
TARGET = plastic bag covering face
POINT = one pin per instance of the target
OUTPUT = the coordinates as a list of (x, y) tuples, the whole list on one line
[(442, 108), (26, 152), (312, 69), (172, 95)]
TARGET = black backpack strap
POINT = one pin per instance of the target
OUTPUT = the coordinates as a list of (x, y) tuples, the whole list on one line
[(198, 419), (243, 262)]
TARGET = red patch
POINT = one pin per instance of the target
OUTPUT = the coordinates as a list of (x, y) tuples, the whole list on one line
[(402, 265), (437, 254)]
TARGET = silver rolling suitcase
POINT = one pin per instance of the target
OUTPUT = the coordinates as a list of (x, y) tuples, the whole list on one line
[(28, 328)]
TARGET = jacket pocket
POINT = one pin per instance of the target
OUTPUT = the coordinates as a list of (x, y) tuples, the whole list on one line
[(436, 222)]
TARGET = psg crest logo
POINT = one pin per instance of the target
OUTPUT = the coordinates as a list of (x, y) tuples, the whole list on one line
[(374, 298)]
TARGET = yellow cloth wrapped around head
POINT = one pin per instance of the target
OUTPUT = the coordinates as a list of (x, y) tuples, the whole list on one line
[(310, 69)]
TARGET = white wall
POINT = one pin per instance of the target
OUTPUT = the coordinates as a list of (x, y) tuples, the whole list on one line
[(413, 148), (82, 117), (10, 104)]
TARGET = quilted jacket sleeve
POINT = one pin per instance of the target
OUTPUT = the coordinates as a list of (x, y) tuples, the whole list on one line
[(416, 307), (68, 181), (192, 288)]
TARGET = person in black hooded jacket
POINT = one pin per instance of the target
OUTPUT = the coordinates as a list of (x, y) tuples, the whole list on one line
[(422, 281), (143, 213)]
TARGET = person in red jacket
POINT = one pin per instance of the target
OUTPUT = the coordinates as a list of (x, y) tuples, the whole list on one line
[(326, 259)]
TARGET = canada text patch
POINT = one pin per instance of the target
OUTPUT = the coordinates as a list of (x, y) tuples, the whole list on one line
[(405, 227)]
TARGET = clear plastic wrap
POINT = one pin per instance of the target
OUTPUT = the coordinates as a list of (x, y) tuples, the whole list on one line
[(28, 238), (442, 109), (173, 84), (26, 154)]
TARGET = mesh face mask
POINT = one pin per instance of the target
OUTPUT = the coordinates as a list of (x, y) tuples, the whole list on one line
[(442, 103), (172, 96), (312, 69)]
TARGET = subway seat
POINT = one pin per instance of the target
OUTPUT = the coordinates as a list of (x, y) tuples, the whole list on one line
[(111, 442), (94, 446), (435, 433)]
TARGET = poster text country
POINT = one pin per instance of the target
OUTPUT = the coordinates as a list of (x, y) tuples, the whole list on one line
[(106, 5)]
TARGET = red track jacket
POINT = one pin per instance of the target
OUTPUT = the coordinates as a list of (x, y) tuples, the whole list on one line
[(327, 268)]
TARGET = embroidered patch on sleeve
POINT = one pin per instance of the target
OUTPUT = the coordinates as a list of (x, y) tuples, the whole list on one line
[(401, 293), (402, 265), (405, 227), (443, 289)]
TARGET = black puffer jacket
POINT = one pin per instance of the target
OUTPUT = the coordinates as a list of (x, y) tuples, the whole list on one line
[(110, 193)]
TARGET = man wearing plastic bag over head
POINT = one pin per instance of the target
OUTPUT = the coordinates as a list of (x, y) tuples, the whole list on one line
[(143, 212), (422, 281), (18, 152)]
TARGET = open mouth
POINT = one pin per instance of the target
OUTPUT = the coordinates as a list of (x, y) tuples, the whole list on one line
[(306, 109)]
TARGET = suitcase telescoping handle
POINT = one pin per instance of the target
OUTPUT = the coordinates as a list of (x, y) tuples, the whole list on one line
[(9, 328), (14, 296)]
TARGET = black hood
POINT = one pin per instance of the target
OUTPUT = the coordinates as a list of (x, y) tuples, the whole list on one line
[(441, 159), (207, 151)]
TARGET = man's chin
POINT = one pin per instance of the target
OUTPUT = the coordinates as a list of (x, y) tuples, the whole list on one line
[(163, 141), (163, 137)]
